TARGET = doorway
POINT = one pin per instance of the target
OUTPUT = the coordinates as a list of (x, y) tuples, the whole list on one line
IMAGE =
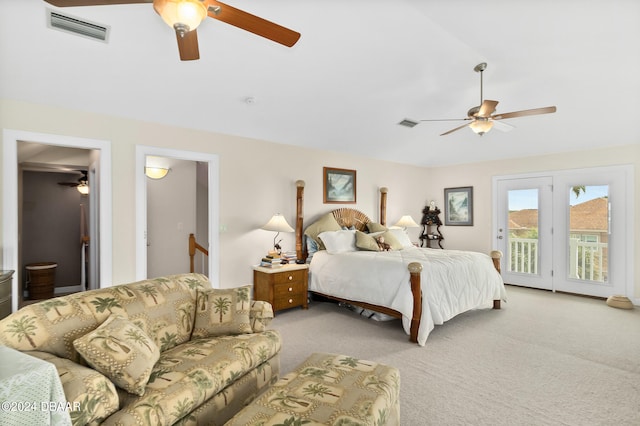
[(567, 231), (99, 168), (203, 167)]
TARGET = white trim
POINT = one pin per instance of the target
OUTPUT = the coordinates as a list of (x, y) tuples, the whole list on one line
[(142, 151), (10, 198)]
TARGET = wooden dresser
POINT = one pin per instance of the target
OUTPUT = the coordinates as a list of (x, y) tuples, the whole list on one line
[(5, 293), (284, 287)]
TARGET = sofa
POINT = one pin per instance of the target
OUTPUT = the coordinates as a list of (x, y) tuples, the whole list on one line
[(169, 350)]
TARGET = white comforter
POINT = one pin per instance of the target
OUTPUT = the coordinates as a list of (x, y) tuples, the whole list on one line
[(452, 282)]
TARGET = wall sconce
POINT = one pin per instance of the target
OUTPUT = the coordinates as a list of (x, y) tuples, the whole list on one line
[(156, 172), (406, 221), (278, 224)]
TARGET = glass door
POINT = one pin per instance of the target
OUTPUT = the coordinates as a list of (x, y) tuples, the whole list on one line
[(524, 231), (568, 231), (591, 232)]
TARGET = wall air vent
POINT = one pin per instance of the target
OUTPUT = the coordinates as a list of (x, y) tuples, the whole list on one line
[(408, 123), (77, 26)]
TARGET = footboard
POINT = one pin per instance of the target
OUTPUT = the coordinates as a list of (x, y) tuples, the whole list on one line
[(415, 268)]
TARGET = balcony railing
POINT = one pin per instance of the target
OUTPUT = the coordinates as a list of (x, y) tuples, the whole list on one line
[(587, 261)]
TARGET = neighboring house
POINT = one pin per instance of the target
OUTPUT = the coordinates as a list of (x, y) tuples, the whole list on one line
[(588, 221), (589, 237)]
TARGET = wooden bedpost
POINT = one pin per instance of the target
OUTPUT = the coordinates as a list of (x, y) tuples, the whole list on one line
[(415, 268), (383, 205), (299, 217), (496, 255)]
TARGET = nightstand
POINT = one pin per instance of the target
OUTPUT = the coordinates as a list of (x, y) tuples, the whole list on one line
[(284, 287)]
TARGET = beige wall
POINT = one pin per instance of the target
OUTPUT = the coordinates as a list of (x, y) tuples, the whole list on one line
[(257, 179), (479, 175)]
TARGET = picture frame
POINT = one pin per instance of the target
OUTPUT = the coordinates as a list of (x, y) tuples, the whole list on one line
[(338, 186), (458, 206)]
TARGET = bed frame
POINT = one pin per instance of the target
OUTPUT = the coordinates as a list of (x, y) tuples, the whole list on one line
[(354, 218)]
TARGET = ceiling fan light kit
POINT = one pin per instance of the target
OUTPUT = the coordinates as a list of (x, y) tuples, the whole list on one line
[(482, 117), (481, 126), (182, 15)]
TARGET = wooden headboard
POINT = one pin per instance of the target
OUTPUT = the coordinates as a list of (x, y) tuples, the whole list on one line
[(345, 216)]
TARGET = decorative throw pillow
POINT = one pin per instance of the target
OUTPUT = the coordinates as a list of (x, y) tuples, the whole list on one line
[(338, 241), (376, 227), (222, 312), (312, 247), (326, 223), (391, 239), (401, 236), (122, 351), (366, 241)]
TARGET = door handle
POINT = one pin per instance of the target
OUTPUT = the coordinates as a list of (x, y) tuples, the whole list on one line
[(499, 237)]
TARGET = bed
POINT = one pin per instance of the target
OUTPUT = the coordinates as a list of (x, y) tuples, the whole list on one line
[(423, 287)]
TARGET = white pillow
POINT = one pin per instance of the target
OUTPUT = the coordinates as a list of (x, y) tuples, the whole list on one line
[(339, 241), (401, 236)]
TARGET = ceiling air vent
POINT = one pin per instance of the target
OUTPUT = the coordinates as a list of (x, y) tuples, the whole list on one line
[(408, 123), (77, 26)]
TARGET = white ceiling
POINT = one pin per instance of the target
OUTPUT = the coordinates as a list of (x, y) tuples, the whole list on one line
[(360, 67)]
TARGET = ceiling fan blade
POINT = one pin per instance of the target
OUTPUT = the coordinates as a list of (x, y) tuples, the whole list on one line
[(188, 45), (454, 130), (449, 119), (70, 3), (487, 108), (246, 21), (502, 126), (523, 113)]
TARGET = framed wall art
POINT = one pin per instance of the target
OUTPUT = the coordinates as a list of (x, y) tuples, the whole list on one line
[(458, 206), (339, 186)]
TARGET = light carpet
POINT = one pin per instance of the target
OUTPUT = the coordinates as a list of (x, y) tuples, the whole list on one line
[(543, 359)]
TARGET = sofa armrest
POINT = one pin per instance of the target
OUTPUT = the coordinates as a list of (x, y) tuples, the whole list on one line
[(95, 393), (260, 315)]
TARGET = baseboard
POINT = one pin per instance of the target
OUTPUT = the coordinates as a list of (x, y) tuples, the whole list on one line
[(67, 289)]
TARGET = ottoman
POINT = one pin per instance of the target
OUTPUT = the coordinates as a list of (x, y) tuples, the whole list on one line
[(328, 389)]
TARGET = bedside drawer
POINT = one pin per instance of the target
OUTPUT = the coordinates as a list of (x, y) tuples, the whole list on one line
[(289, 276), (287, 289), (284, 287), (285, 302)]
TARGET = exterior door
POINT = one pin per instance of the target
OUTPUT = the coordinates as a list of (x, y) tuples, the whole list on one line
[(589, 244), (568, 231), (525, 231)]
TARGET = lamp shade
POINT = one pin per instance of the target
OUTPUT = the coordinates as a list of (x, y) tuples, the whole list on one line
[(407, 221), (278, 224), (481, 126), (83, 188), (183, 15)]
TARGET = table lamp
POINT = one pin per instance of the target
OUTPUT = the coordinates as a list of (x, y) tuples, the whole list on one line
[(278, 224), (406, 221)]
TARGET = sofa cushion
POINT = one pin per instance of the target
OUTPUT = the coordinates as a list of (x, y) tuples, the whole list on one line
[(95, 393), (221, 312), (187, 376), (163, 307), (122, 351)]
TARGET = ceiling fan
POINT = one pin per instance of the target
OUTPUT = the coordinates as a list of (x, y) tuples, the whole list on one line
[(81, 185), (482, 117), (184, 16)]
